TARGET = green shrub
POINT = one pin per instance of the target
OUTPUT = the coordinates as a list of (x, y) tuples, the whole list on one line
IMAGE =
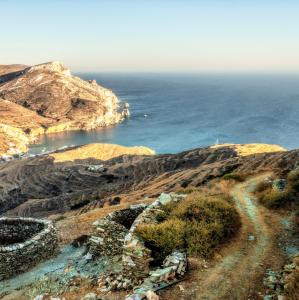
[(273, 198), (276, 199), (233, 176), (187, 191), (202, 237), (198, 224), (293, 181), (164, 237), (197, 208)]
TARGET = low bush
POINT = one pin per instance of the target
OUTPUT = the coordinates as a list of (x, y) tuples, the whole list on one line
[(199, 208), (263, 186), (275, 199), (187, 191), (293, 181), (233, 176), (198, 224), (162, 238)]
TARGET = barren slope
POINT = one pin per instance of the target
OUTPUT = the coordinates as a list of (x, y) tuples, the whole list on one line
[(4, 69), (39, 186)]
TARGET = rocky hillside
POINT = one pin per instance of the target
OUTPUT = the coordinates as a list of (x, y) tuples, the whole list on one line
[(47, 98), (4, 69), (41, 186)]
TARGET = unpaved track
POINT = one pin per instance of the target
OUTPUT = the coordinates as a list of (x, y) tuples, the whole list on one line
[(234, 276), (238, 274)]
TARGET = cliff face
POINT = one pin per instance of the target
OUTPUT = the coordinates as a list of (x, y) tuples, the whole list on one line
[(47, 98)]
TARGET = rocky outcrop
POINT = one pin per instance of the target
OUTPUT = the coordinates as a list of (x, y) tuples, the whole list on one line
[(23, 243), (173, 268), (54, 100)]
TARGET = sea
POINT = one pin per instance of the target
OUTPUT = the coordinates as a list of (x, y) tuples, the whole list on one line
[(173, 112)]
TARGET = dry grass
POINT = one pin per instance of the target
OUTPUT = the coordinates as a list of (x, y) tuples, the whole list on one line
[(199, 224), (250, 149), (100, 151), (71, 225), (5, 69)]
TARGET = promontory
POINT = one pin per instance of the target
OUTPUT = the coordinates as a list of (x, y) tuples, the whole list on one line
[(46, 98)]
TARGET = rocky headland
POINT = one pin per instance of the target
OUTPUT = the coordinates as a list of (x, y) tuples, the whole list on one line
[(46, 98)]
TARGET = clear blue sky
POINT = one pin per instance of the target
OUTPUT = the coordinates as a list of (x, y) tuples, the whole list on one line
[(152, 35)]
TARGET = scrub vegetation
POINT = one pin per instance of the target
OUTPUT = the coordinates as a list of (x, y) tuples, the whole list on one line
[(198, 224), (274, 198)]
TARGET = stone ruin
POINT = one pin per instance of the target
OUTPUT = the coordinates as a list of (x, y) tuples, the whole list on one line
[(116, 235), (24, 242), (109, 233)]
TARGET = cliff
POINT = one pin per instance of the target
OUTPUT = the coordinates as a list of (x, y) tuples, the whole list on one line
[(46, 98)]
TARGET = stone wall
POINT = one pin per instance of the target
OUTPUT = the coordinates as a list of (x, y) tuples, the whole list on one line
[(109, 233), (24, 242), (12, 232), (136, 257)]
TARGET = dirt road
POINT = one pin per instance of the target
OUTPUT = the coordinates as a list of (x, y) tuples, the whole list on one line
[(238, 273)]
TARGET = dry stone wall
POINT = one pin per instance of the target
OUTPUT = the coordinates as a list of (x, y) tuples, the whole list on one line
[(136, 257), (109, 233), (23, 243)]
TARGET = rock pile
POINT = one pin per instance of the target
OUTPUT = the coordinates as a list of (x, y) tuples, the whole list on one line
[(173, 268), (281, 282), (23, 243), (95, 168)]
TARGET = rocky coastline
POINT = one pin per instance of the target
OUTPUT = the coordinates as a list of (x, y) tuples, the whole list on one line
[(46, 98)]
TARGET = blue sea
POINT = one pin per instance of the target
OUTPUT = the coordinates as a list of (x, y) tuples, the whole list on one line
[(175, 112)]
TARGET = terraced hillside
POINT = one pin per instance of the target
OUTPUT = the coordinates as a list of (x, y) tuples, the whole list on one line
[(41, 186)]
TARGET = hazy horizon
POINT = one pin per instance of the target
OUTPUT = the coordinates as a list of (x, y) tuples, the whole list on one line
[(153, 36)]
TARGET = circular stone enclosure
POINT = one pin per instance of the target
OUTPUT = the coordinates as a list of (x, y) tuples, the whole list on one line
[(24, 242)]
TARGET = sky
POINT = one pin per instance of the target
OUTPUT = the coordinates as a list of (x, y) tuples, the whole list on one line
[(152, 35)]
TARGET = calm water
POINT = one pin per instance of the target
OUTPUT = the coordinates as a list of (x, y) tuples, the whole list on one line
[(171, 113)]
